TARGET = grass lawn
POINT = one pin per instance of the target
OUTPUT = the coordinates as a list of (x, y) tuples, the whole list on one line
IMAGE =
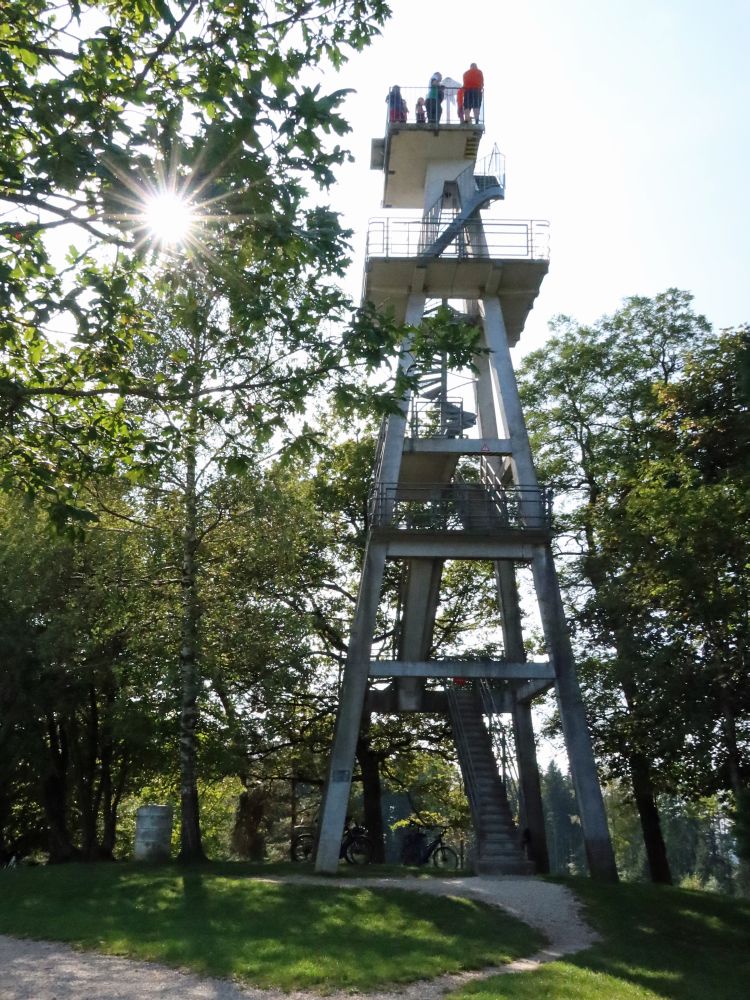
[(217, 921), (659, 944)]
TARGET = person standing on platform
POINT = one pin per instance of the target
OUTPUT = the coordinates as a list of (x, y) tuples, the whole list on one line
[(434, 102), (450, 88), (396, 105), (473, 87)]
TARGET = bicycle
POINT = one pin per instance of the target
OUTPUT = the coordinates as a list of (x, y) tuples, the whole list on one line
[(356, 845), (416, 850)]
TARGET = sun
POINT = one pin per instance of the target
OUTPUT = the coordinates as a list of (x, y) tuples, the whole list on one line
[(169, 218)]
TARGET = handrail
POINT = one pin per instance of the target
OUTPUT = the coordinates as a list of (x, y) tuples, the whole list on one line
[(510, 239), (459, 506), (464, 755), (532, 506), (403, 110), (508, 774), (473, 189), (377, 465), (439, 418)]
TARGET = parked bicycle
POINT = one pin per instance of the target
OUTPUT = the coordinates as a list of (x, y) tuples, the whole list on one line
[(356, 845), (419, 849)]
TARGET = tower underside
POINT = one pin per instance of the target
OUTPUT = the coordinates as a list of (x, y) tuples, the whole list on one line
[(454, 480)]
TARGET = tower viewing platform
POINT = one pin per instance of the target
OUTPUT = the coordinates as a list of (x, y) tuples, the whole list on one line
[(447, 251)]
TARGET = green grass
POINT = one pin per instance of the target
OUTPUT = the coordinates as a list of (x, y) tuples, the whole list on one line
[(216, 921), (658, 944)]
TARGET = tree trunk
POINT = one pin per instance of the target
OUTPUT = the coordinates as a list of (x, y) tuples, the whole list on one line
[(638, 764), (739, 789), (371, 791), (191, 846), (645, 801), (55, 797), (248, 840), (87, 768), (105, 795), (643, 792)]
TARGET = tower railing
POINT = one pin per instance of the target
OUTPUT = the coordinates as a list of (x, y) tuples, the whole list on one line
[(468, 507), (486, 176), (395, 237), (446, 114), (441, 418)]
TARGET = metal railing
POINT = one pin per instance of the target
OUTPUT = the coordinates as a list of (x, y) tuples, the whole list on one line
[(413, 106), (379, 447), (465, 760), (459, 507), (533, 505), (499, 738), (486, 177), (508, 240), (439, 418)]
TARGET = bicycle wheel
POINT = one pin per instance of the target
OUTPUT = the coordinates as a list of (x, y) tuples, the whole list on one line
[(302, 847), (359, 851), (445, 857)]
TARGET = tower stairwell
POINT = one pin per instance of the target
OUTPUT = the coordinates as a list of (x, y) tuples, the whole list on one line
[(497, 840)]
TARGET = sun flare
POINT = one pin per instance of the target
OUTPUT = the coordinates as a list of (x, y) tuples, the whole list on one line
[(169, 218)]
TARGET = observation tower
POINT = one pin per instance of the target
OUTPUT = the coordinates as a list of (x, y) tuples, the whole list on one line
[(456, 481)]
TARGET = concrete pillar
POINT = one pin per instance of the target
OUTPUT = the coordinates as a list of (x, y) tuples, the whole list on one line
[(356, 669), (349, 714), (599, 851), (575, 727), (506, 391), (532, 816), (393, 446), (532, 813), (420, 606)]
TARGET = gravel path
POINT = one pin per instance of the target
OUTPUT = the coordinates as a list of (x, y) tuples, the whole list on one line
[(40, 970)]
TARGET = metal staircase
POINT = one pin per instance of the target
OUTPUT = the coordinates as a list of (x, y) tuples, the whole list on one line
[(459, 204), (498, 850)]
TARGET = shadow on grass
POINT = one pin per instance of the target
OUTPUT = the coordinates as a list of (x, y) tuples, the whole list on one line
[(219, 922), (659, 942)]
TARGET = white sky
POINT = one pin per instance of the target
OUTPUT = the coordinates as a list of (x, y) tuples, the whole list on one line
[(625, 124)]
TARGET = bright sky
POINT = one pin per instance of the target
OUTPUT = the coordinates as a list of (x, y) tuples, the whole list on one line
[(625, 124)]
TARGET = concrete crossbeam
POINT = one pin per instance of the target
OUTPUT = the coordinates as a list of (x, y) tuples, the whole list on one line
[(458, 446), (447, 545), (491, 669)]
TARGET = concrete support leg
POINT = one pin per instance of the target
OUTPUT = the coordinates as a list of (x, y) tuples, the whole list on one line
[(532, 814), (349, 716), (506, 391), (599, 851), (531, 789), (418, 621), (356, 671)]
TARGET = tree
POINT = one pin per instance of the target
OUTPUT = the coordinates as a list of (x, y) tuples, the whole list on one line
[(687, 514), (592, 400), (208, 102), (102, 107), (81, 707), (563, 827)]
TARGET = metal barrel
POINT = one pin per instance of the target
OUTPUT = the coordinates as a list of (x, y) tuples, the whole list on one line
[(153, 833)]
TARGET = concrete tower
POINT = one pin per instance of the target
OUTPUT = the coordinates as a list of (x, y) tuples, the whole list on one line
[(424, 511)]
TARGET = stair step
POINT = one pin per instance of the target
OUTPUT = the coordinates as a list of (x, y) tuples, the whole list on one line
[(504, 868)]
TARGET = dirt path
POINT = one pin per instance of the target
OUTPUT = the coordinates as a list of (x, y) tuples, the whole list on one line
[(40, 970)]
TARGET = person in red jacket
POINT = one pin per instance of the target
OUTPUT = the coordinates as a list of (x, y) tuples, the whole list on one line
[(473, 87)]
